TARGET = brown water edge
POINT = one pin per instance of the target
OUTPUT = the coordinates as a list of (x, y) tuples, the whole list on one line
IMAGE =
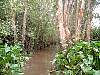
[(40, 63)]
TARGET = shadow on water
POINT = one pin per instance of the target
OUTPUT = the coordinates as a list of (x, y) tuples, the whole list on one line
[(40, 63)]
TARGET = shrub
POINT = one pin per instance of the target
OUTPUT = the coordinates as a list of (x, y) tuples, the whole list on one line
[(81, 59), (95, 34), (11, 59)]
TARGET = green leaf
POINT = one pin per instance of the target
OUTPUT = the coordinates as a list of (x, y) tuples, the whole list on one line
[(97, 72)]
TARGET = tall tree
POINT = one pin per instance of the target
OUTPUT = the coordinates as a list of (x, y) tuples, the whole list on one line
[(62, 17), (24, 21), (13, 16), (88, 30), (66, 9), (79, 16), (61, 23)]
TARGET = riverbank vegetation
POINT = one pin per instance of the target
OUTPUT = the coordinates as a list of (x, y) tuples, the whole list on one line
[(83, 58)]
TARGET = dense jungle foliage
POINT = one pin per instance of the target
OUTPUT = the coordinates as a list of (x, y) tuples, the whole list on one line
[(31, 21), (37, 24), (39, 29)]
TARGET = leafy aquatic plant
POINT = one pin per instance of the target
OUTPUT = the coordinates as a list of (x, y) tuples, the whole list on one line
[(11, 59), (81, 59)]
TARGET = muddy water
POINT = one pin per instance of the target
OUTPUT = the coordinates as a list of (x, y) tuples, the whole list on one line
[(40, 63)]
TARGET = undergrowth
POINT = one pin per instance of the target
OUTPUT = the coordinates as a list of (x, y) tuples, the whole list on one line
[(81, 59), (11, 59)]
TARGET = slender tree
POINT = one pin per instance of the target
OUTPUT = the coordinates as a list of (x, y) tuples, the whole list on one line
[(60, 18), (13, 16), (79, 16), (88, 30), (24, 21), (63, 19), (66, 10)]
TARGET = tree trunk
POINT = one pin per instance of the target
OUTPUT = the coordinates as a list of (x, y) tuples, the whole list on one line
[(66, 21), (61, 23), (24, 23), (88, 30), (62, 17), (79, 16), (13, 13)]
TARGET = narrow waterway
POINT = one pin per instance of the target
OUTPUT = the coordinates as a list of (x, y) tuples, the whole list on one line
[(40, 63)]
